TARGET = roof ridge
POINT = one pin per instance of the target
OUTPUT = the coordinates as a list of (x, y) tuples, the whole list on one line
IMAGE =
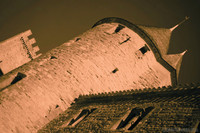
[(146, 90), (147, 25)]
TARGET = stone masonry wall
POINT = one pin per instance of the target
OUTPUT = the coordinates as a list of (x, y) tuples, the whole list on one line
[(17, 51), (175, 109), (105, 58)]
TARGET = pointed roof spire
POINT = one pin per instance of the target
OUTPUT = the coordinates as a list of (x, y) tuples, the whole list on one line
[(175, 60), (161, 37), (173, 28), (183, 53)]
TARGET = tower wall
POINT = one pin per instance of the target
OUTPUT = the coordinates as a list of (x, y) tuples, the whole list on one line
[(108, 57), (17, 51)]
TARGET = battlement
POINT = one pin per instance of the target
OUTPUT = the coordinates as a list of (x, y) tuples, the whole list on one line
[(112, 56), (16, 51)]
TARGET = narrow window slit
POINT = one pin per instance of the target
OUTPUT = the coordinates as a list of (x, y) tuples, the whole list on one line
[(53, 57), (115, 70), (142, 115), (69, 72), (120, 27), (78, 39), (132, 118), (1, 73), (57, 106), (19, 77), (82, 115)]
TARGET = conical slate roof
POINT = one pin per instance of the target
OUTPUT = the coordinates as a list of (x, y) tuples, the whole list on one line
[(160, 36), (157, 38), (175, 60)]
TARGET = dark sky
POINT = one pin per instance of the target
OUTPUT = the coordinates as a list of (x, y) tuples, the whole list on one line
[(54, 22)]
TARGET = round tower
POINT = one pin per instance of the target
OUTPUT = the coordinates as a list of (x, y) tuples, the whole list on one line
[(114, 55)]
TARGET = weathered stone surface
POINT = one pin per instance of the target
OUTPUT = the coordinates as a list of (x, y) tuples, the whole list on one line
[(83, 65), (17, 51), (172, 109)]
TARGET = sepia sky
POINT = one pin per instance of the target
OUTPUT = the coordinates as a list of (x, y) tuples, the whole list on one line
[(54, 22)]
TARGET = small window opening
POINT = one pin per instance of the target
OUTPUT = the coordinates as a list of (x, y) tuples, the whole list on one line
[(57, 106), (115, 70), (1, 73), (78, 39), (143, 114), (69, 72), (53, 57), (120, 27), (134, 112), (19, 77), (144, 49), (130, 120), (82, 115)]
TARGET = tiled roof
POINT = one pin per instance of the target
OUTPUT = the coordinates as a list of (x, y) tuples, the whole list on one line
[(175, 60), (172, 108)]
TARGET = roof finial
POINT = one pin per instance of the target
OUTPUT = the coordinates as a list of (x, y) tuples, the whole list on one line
[(184, 52), (186, 18)]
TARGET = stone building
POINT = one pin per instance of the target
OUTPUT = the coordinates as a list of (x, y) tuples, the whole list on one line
[(115, 55), (167, 109), (16, 51)]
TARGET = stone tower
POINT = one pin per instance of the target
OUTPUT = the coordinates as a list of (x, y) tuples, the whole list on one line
[(16, 51), (114, 55)]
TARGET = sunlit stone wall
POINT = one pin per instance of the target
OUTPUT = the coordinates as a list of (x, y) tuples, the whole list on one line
[(108, 57)]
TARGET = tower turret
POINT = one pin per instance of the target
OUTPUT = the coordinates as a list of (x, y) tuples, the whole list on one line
[(114, 55), (161, 38), (16, 51), (175, 60)]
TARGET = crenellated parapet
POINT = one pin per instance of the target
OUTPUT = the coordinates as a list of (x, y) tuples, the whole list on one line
[(16, 51), (113, 56)]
